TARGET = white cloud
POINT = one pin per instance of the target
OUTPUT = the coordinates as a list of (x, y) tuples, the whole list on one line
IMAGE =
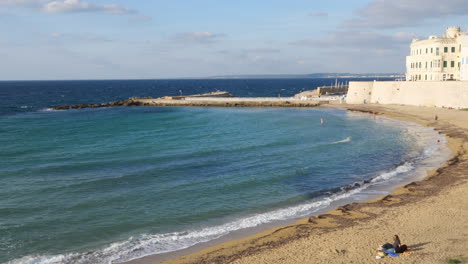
[(262, 50), (95, 38), (21, 2), (358, 39), (75, 37), (68, 6), (405, 13), (318, 14), (73, 6), (140, 19), (57, 35), (198, 37)]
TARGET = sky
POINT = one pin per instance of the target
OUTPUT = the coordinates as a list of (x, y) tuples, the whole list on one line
[(157, 39)]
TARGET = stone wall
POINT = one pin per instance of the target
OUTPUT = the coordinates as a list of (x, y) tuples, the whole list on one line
[(359, 92), (437, 93)]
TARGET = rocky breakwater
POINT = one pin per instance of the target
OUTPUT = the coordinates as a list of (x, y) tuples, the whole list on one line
[(216, 99), (129, 102), (143, 101)]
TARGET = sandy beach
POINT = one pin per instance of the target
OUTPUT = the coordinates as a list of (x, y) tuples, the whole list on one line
[(430, 216)]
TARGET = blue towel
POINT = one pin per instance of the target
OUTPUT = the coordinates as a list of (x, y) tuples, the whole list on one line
[(393, 255)]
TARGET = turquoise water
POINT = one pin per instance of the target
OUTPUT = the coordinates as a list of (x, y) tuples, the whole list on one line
[(114, 184)]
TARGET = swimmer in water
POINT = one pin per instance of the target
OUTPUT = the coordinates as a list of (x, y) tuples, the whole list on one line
[(322, 121)]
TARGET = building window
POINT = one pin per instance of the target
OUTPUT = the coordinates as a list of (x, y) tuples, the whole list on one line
[(426, 50), (445, 64), (445, 49), (431, 64), (420, 65), (452, 64), (425, 77), (437, 51), (426, 64), (432, 49), (453, 49)]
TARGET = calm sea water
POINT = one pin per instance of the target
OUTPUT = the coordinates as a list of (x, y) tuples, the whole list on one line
[(114, 184)]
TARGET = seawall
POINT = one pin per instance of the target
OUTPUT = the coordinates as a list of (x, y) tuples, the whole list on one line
[(209, 101), (431, 93), (233, 102)]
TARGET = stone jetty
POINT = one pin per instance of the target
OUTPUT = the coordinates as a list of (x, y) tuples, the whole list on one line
[(217, 99)]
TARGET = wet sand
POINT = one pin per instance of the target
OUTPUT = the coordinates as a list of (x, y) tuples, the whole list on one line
[(430, 216)]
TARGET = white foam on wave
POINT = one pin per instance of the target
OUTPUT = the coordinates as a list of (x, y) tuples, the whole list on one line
[(432, 155), (406, 167), (47, 110), (348, 139)]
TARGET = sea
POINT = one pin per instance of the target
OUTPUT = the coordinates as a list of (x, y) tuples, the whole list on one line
[(109, 185)]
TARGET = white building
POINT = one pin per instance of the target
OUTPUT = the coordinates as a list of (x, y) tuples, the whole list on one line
[(439, 59)]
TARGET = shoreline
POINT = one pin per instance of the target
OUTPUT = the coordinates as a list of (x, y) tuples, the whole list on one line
[(245, 249)]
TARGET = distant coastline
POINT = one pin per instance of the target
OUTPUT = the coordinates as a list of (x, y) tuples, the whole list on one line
[(308, 76), (243, 76)]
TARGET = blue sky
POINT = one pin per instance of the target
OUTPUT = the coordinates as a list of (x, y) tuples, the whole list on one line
[(128, 39)]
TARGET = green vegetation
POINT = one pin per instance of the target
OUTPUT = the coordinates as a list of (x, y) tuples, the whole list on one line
[(459, 260)]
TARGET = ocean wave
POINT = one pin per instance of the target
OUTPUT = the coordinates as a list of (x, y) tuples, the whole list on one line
[(348, 139), (149, 244), (47, 110)]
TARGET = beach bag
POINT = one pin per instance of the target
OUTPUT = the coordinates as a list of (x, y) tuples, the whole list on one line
[(381, 254)]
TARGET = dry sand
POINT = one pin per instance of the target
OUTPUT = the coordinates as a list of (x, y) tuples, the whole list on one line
[(431, 216)]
